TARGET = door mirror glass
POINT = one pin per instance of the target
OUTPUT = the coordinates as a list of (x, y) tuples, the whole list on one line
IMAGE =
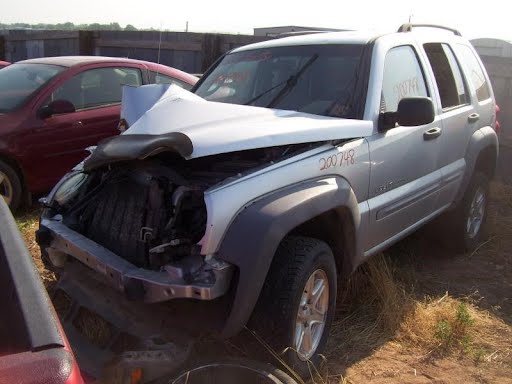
[(56, 107), (411, 111)]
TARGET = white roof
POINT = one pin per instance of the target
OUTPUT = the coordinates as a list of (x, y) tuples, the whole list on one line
[(344, 37)]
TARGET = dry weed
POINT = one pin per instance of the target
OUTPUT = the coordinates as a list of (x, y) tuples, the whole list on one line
[(373, 304), (28, 223), (449, 326)]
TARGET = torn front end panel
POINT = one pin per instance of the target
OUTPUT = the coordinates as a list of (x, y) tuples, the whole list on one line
[(137, 224)]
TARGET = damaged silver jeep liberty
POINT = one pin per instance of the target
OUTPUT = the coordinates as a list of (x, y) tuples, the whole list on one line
[(290, 163)]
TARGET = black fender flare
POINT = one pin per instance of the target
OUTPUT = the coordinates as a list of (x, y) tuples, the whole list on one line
[(254, 235), (480, 140)]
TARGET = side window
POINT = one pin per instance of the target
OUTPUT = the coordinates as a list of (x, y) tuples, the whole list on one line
[(97, 87), (449, 80), (159, 78), (403, 77), (476, 74)]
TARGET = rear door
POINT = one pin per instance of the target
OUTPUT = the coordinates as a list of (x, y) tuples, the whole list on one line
[(404, 180), (459, 117), (96, 95)]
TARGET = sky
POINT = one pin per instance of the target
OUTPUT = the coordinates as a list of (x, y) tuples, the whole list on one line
[(474, 19)]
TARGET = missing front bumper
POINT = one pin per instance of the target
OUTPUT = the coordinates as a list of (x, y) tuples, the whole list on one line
[(209, 281)]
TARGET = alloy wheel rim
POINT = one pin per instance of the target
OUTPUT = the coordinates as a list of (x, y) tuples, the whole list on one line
[(476, 214), (5, 188), (312, 315)]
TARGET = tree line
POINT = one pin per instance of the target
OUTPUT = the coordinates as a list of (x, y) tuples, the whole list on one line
[(68, 26)]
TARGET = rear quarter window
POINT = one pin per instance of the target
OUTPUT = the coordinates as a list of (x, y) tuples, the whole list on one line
[(160, 78), (475, 73)]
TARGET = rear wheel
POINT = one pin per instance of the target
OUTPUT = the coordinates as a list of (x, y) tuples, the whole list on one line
[(466, 224), (10, 186), (296, 307)]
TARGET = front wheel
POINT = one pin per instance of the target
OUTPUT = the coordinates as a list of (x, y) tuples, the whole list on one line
[(232, 371), (297, 303), (10, 186)]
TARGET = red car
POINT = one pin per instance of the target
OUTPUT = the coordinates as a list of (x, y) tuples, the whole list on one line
[(33, 348), (51, 109), (4, 64)]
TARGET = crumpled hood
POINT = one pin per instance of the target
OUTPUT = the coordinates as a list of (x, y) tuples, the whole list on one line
[(215, 128)]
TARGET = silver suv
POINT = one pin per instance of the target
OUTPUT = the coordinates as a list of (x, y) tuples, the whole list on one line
[(291, 163)]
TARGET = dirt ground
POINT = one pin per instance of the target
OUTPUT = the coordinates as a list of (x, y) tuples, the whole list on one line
[(394, 313), (430, 275)]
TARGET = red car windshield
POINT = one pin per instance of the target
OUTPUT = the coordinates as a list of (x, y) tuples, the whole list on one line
[(19, 81)]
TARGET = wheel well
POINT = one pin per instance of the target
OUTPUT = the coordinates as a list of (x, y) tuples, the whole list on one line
[(486, 161), (336, 228)]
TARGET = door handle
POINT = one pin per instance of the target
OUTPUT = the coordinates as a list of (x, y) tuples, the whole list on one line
[(473, 117), (78, 124), (432, 133)]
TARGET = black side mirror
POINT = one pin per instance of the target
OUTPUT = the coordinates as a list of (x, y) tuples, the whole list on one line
[(56, 107), (411, 111)]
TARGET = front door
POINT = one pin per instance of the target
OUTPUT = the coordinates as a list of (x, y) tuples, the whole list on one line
[(404, 181), (96, 95)]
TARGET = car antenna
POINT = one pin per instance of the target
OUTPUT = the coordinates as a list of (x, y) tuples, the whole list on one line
[(159, 43), (159, 49)]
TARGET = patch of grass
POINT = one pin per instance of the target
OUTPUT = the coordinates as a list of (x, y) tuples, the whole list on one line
[(96, 329), (28, 223), (453, 330), (372, 306), (450, 326)]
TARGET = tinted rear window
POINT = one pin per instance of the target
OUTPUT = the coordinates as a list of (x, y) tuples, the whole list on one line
[(476, 74), (447, 72)]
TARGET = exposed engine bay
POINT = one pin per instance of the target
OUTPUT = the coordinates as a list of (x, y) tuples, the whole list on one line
[(143, 212), (152, 212)]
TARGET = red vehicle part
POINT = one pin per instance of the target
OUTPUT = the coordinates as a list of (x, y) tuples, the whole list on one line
[(497, 125), (34, 348), (38, 144)]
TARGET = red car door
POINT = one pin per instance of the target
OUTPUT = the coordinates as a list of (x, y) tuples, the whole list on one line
[(62, 138)]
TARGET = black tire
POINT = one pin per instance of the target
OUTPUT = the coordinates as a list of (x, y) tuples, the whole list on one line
[(232, 370), (276, 313), (457, 233), (11, 185)]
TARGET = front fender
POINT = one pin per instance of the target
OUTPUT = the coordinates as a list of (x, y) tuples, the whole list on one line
[(253, 237)]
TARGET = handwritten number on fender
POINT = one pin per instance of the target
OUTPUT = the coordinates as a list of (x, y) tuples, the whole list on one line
[(342, 159)]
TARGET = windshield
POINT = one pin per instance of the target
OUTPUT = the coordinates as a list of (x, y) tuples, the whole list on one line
[(19, 81), (317, 79)]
